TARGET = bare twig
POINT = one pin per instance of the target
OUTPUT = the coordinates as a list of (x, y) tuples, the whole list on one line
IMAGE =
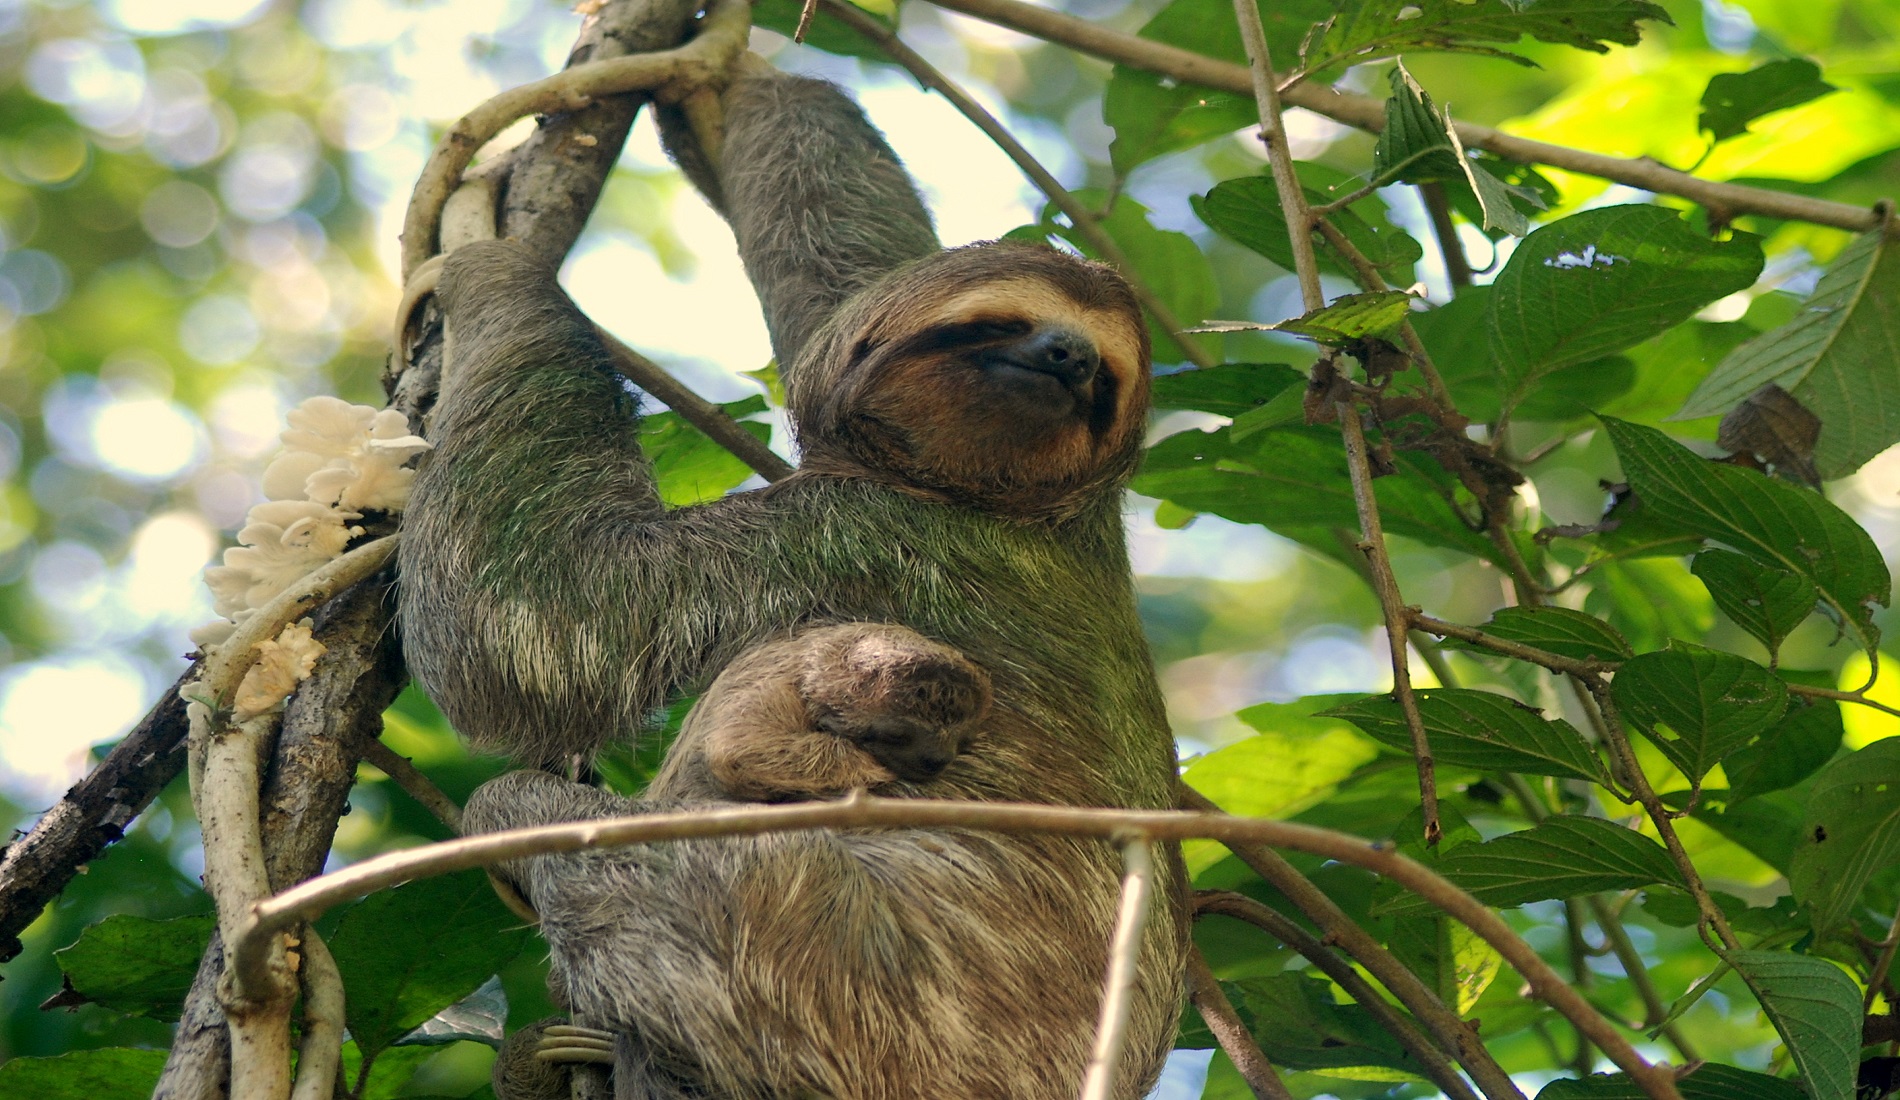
[(321, 1049), (721, 38), (696, 410), (1877, 976), (1280, 927), (417, 785), (1506, 647), (268, 917), (1085, 221), (1299, 220), (1857, 697), (1438, 208), (1124, 957), (1367, 113), (1224, 1022)]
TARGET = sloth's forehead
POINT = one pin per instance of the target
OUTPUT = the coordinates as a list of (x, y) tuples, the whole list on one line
[(1039, 302)]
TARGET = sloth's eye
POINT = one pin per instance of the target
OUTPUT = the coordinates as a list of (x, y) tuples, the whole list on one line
[(982, 332)]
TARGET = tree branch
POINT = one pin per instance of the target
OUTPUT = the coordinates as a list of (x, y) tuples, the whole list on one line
[(1366, 113), (1124, 957), (1235, 1042)]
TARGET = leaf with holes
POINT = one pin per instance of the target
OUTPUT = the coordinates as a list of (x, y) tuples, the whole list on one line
[(1816, 1008), (1479, 729), (1767, 602), (1807, 736), (1835, 357), (1562, 857), (1698, 705), (1595, 283), (1772, 522), (1560, 630), (1851, 832), (1247, 211), (137, 965), (1733, 100), (1364, 30)]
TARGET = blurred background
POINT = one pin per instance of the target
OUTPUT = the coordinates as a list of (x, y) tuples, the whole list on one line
[(198, 213)]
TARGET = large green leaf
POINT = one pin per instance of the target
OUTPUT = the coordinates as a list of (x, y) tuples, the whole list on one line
[(1807, 736), (688, 465), (408, 953), (1294, 481), (1850, 833), (1246, 210), (1709, 1081), (1480, 729), (1836, 357), (1816, 1008), (1698, 705), (103, 1074), (1368, 29), (1767, 602), (1773, 522), (137, 965), (1153, 115), (1561, 630), (1733, 100), (1229, 389), (1562, 857), (1598, 282)]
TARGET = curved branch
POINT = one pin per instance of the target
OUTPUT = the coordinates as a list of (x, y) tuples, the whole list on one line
[(1124, 957), (1367, 113), (1221, 1019), (321, 1051), (270, 916)]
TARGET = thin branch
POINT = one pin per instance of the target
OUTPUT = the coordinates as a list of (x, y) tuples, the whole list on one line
[(1283, 928), (320, 1052), (417, 785), (1659, 814), (1299, 220), (721, 38), (1654, 1011), (1084, 221), (1438, 209), (1451, 1033), (1369, 278), (1858, 697), (1883, 964), (1124, 958), (1366, 113), (1224, 1022), (696, 410)]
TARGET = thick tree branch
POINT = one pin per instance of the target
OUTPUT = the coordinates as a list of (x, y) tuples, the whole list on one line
[(1366, 113)]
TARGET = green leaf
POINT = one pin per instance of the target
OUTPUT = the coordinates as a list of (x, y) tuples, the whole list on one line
[(1774, 523), (1598, 282), (1807, 737), (689, 466), (1768, 826), (1835, 357), (1563, 857), (137, 965), (408, 953), (1733, 100), (1418, 145), (1698, 705), (1247, 211), (1709, 1081), (1561, 630), (1300, 1026), (1479, 729), (1816, 1008), (1152, 114), (83, 1075), (1170, 262), (1229, 389), (1767, 602), (1294, 481), (1851, 832), (1368, 29), (1350, 317)]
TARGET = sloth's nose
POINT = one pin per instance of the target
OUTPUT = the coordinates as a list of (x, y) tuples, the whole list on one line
[(1057, 350)]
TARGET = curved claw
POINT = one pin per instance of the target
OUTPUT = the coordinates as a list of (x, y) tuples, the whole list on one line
[(572, 1043)]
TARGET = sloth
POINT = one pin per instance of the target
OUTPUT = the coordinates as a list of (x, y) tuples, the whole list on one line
[(825, 711), (967, 420)]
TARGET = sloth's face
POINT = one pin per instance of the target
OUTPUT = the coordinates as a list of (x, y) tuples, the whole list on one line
[(1010, 376)]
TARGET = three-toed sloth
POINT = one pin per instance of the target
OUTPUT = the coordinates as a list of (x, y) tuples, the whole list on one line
[(967, 420)]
